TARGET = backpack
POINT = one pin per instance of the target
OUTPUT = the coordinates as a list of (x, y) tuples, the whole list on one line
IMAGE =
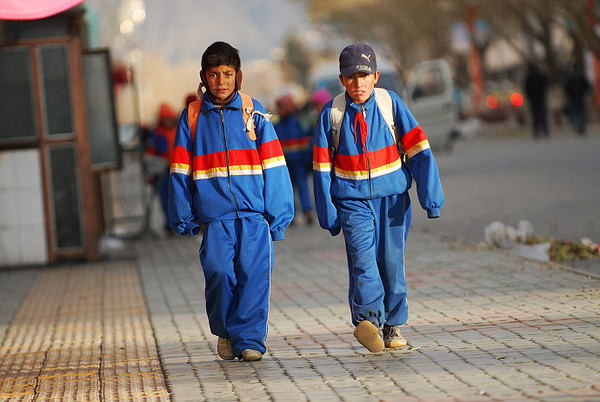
[(247, 110), (384, 103)]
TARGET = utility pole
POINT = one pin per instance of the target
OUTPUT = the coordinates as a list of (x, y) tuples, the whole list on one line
[(474, 61)]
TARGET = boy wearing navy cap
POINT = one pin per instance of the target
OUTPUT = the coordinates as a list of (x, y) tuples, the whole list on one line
[(361, 188)]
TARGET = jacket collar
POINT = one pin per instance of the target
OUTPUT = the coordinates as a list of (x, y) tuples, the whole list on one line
[(207, 105), (357, 106)]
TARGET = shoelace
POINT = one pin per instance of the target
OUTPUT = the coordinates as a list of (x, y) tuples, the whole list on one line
[(392, 332)]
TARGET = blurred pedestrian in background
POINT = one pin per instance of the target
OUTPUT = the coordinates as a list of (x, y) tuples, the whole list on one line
[(190, 98), (536, 84), (576, 87), (317, 100), (160, 145), (295, 143)]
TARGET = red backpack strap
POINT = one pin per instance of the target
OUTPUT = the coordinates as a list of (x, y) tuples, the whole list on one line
[(193, 112)]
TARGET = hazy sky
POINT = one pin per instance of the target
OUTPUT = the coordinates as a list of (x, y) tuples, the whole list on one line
[(181, 30)]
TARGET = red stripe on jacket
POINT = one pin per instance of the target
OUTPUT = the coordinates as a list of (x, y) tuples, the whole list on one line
[(181, 155), (321, 155), (294, 142), (237, 157), (413, 137), (377, 159), (269, 150)]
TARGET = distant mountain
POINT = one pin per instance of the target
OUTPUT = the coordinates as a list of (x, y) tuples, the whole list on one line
[(180, 30)]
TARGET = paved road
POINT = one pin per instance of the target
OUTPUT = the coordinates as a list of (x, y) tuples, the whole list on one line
[(507, 177)]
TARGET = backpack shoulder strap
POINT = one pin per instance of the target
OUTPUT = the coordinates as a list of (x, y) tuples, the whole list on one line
[(193, 112), (337, 115), (386, 107), (384, 103), (247, 110)]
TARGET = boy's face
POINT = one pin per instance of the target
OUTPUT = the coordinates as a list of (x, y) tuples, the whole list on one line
[(359, 85), (220, 81)]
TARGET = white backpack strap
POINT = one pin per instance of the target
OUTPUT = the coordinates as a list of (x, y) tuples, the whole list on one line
[(384, 103), (337, 115), (386, 107)]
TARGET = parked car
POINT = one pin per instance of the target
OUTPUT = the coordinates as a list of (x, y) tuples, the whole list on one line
[(503, 100)]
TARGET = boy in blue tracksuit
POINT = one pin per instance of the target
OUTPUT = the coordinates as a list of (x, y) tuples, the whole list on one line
[(229, 180), (362, 189)]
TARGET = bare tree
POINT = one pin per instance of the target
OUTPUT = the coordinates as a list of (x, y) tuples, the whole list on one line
[(413, 30)]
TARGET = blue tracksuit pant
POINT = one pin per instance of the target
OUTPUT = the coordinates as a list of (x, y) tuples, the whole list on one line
[(299, 177), (237, 259), (375, 233)]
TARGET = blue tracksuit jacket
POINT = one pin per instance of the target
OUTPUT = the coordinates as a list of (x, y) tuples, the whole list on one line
[(224, 174), (371, 167)]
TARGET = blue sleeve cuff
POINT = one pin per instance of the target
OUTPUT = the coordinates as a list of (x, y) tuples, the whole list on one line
[(335, 231), (433, 213), (192, 228), (278, 235)]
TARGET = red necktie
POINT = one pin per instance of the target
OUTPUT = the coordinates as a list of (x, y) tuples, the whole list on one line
[(360, 120)]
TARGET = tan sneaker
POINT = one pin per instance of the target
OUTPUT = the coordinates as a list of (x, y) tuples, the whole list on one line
[(368, 335), (224, 349), (392, 337), (251, 355)]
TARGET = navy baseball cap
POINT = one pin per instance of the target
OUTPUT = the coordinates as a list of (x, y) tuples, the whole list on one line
[(358, 57)]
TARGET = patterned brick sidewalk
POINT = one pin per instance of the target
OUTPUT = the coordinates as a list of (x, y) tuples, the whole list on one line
[(82, 332), (485, 325)]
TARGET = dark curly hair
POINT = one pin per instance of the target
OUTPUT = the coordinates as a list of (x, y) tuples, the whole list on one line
[(219, 54)]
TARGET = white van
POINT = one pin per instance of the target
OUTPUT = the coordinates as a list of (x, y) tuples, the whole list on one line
[(429, 94), (431, 97)]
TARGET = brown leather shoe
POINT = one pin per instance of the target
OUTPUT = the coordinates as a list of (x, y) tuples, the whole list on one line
[(224, 349), (251, 355), (392, 338), (367, 334)]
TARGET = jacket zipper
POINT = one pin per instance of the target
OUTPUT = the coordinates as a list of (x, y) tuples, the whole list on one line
[(237, 205), (364, 112)]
